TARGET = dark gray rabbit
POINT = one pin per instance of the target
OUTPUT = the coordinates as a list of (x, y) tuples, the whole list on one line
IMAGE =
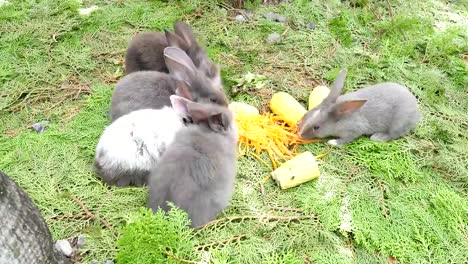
[(385, 111), (197, 171), (24, 235), (151, 89), (145, 52)]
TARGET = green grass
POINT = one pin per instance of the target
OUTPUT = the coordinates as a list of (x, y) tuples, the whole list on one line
[(405, 199)]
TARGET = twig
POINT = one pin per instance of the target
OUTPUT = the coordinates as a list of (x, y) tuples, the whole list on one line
[(284, 33), (68, 215), (92, 216), (266, 218), (169, 254), (262, 189), (332, 51), (222, 242), (286, 209), (382, 199), (390, 9)]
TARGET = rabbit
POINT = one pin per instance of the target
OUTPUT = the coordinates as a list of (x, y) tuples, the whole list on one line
[(385, 111), (197, 172), (151, 89), (24, 234), (130, 146), (145, 52)]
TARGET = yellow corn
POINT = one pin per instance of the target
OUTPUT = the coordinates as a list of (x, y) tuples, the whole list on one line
[(297, 170), (243, 108), (287, 108), (317, 96)]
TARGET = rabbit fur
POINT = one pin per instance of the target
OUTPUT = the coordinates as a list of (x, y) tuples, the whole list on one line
[(24, 234), (196, 173), (385, 111), (151, 89), (130, 146), (145, 52)]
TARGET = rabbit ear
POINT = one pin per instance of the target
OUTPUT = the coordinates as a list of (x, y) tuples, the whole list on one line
[(337, 87), (197, 112), (179, 64), (180, 104), (217, 122), (215, 76), (185, 32), (183, 90), (175, 40), (347, 107)]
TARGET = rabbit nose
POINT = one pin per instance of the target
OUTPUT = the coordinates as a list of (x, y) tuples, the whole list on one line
[(299, 123), (299, 131)]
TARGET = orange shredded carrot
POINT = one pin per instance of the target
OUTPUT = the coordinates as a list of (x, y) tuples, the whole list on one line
[(267, 132), (266, 178), (261, 160), (272, 160)]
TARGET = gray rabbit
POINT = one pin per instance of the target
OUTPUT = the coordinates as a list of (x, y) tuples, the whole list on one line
[(385, 111), (146, 52), (197, 171), (151, 89), (24, 235)]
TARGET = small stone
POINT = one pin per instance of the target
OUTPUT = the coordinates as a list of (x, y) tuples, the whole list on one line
[(311, 25), (108, 261), (94, 261), (87, 11), (275, 17), (40, 127), (240, 18), (80, 242), (64, 247), (274, 37)]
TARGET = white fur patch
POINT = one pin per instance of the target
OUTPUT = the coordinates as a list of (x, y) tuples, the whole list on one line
[(135, 140), (333, 142)]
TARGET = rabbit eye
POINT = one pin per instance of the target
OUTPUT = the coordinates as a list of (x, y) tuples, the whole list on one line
[(315, 128), (187, 120), (213, 100)]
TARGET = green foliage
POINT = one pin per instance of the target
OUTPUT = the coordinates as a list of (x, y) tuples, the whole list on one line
[(339, 26), (147, 236), (405, 198), (287, 258)]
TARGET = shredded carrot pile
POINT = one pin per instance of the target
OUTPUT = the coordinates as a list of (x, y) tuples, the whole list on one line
[(266, 132)]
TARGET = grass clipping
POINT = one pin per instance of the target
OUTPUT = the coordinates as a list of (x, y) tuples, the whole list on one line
[(271, 133)]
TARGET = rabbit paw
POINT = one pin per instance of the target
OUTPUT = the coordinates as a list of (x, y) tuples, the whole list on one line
[(335, 142), (381, 137)]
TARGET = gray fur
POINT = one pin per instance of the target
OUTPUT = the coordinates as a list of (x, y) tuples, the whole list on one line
[(145, 52), (197, 171), (24, 235), (183, 70), (120, 175), (385, 111), (151, 89), (141, 90)]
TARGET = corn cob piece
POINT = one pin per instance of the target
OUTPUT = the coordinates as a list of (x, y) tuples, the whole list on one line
[(317, 96), (287, 108), (243, 108), (297, 170)]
